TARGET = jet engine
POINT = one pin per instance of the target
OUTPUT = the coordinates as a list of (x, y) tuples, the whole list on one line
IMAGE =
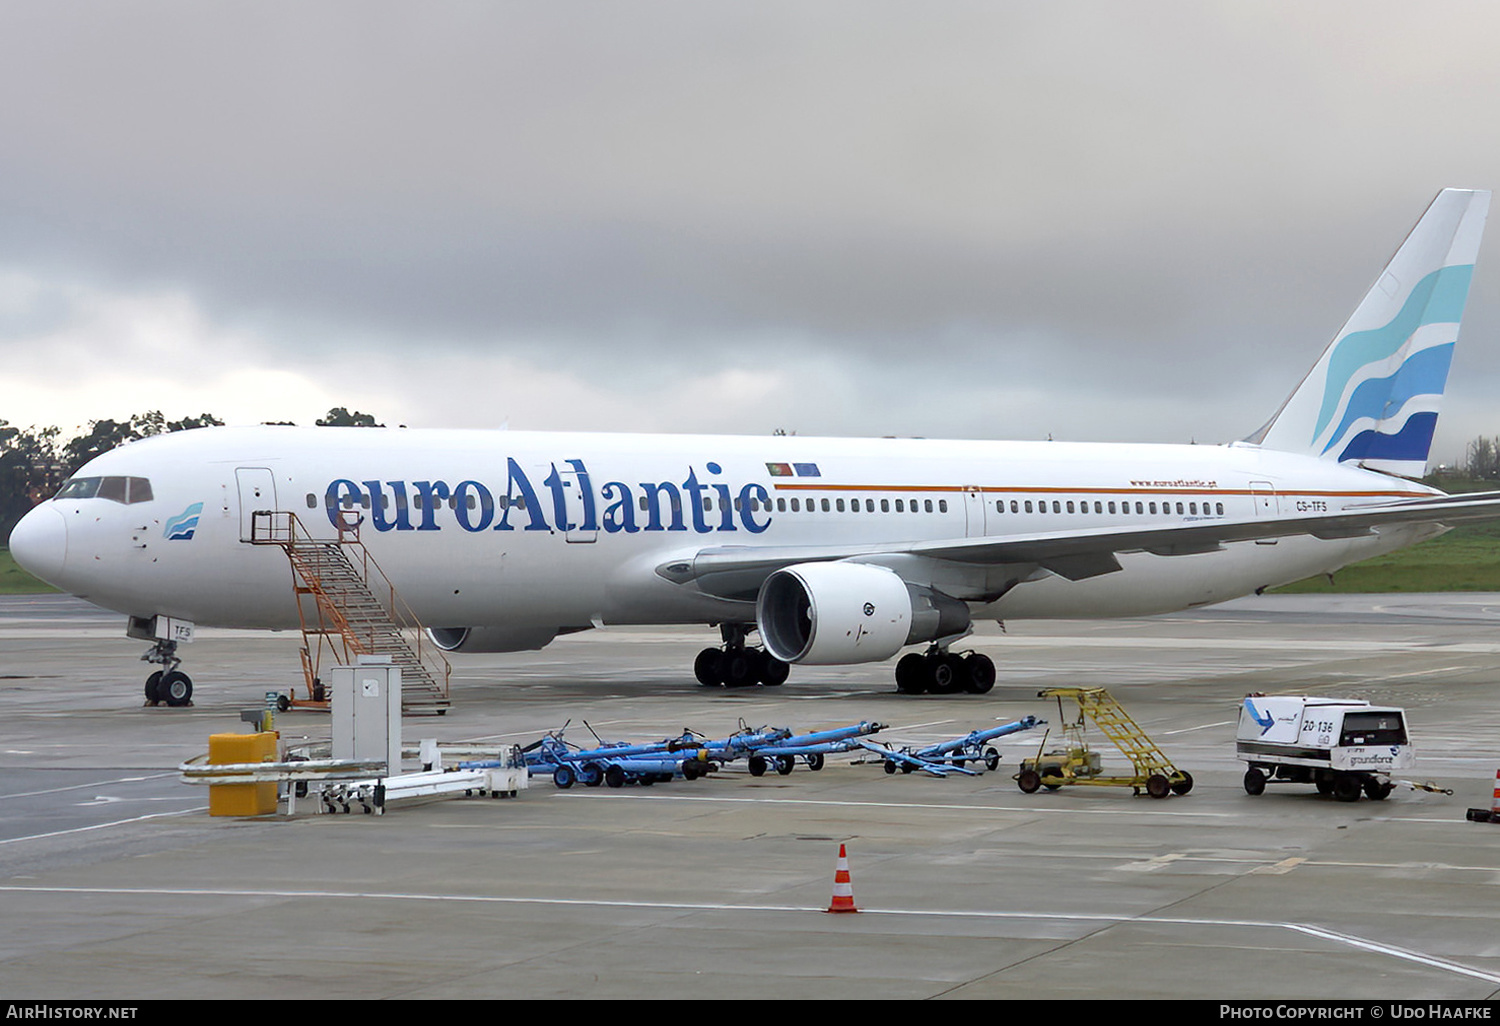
[(491, 639), (835, 613)]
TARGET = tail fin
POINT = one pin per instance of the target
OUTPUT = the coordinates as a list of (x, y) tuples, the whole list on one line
[(1373, 396)]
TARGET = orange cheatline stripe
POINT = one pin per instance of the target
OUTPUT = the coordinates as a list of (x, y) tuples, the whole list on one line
[(1047, 490)]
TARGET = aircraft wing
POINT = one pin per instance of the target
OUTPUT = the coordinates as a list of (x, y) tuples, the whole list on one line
[(737, 572)]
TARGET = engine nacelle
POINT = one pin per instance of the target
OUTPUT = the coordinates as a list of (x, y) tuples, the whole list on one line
[(836, 613), (491, 639)]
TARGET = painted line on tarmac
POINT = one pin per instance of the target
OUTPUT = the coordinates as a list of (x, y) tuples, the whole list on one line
[(1360, 943), (103, 826), (90, 786)]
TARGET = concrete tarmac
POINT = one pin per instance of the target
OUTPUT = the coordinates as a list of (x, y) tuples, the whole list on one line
[(116, 884)]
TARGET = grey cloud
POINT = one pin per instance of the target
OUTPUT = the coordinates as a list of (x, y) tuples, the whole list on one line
[(1089, 197)]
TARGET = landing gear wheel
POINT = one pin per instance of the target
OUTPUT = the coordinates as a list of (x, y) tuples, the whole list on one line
[(564, 777), (153, 687), (176, 689), (979, 673), (1184, 785), (706, 667), (911, 674), (1346, 788), (773, 672), (1028, 780), (943, 674), (737, 667), (1158, 786)]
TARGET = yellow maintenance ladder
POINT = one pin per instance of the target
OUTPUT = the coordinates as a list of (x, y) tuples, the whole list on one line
[(1077, 763)]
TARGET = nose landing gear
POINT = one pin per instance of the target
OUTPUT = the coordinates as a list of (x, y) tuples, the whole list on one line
[(169, 685)]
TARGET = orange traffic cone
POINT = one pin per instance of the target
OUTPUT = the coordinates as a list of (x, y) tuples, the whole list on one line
[(843, 889), (1490, 815)]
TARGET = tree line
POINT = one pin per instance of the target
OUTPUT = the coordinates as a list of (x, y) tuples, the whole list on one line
[(35, 461)]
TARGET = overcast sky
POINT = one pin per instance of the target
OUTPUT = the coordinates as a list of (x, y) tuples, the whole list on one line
[(1114, 221)]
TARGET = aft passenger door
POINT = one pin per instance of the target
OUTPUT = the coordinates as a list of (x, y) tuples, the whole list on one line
[(974, 512), (1267, 505)]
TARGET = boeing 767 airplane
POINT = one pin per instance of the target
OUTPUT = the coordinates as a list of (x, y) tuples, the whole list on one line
[(831, 550)]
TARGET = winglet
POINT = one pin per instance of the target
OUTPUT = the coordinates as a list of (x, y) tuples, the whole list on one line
[(1373, 396)]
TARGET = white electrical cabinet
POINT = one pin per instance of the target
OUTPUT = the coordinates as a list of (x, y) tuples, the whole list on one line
[(366, 711)]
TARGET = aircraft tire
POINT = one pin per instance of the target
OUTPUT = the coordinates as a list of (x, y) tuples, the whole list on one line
[(706, 668), (978, 673), (773, 672), (943, 674), (176, 689), (153, 687), (737, 668), (911, 674)]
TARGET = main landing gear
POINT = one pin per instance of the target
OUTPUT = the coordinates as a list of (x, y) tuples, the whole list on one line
[(735, 666), (168, 685), (944, 673)]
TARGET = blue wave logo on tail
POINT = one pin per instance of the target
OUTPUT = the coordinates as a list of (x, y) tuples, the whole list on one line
[(1397, 372), (182, 526)]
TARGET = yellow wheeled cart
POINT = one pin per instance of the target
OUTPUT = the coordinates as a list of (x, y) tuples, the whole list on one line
[(1077, 763)]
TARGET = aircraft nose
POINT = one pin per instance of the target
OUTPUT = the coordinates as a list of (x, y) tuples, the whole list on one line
[(40, 543)]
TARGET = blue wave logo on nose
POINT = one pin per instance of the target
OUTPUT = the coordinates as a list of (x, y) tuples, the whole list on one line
[(182, 526)]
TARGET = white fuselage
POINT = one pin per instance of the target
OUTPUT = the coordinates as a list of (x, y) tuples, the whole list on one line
[(561, 531)]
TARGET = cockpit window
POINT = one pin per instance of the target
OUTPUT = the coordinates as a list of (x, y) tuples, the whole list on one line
[(127, 490), (80, 488), (112, 488)]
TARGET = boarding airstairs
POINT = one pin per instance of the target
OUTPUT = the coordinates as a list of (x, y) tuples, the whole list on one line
[(348, 607)]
